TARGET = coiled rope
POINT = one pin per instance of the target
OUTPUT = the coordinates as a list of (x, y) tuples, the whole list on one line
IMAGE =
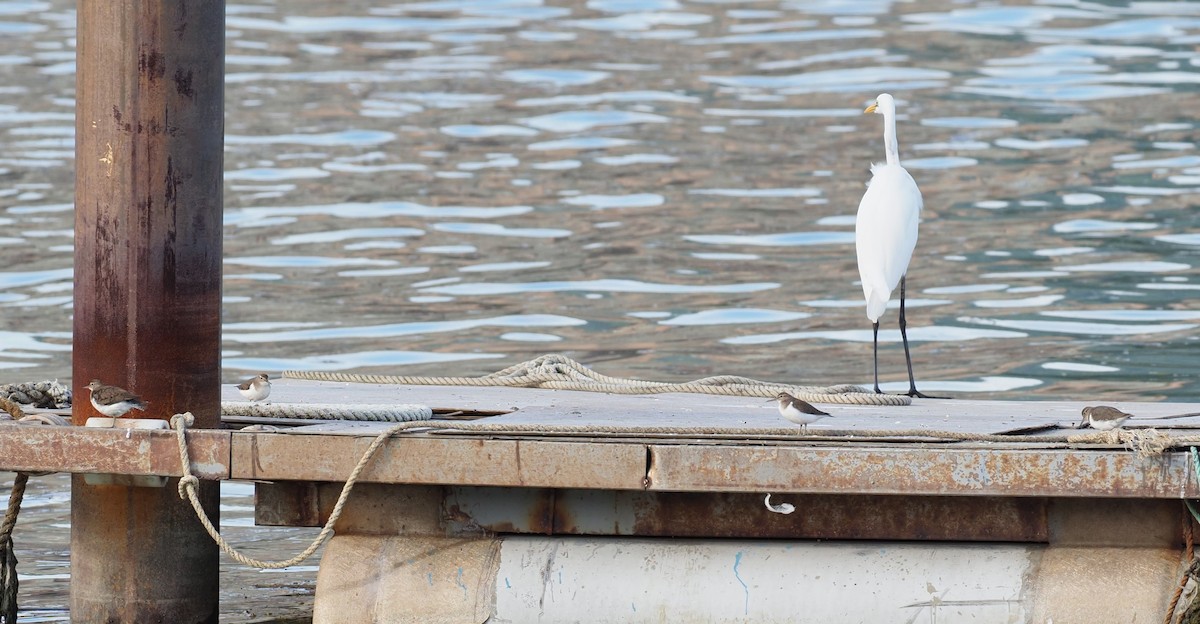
[(49, 394), (559, 372)]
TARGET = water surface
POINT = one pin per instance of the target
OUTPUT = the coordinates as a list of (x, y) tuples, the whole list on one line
[(663, 189), (436, 164)]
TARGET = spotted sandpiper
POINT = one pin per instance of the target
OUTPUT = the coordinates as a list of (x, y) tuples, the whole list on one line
[(257, 388), (112, 401), (1103, 417), (800, 412)]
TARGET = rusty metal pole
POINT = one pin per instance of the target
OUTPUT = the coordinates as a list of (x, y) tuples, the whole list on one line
[(148, 183)]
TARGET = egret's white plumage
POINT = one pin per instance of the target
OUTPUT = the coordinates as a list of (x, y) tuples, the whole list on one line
[(885, 231)]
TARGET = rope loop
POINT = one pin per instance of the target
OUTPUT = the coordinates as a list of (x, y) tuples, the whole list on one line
[(189, 487), (187, 484)]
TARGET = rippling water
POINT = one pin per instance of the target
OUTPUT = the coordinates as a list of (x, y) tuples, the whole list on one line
[(42, 538), (665, 189)]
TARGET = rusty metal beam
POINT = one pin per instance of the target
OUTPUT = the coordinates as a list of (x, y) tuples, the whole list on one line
[(915, 470), (455, 461), (149, 122), (817, 516), (33, 448), (608, 465), (936, 471), (390, 510)]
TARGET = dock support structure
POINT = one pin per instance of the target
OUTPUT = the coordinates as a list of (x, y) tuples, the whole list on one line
[(428, 554), (148, 226)]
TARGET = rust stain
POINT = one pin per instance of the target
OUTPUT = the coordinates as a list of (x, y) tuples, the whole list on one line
[(743, 515), (541, 515), (824, 516), (454, 513), (183, 24), (183, 83), (517, 457), (171, 186), (287, 504), (563, 519), (459, 522), (256, 466), (151, 64)]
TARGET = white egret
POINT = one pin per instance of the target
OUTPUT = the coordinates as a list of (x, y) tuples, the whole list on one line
[(885, 233)]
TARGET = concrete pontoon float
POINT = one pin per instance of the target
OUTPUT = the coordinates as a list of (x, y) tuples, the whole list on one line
[(587, 507)]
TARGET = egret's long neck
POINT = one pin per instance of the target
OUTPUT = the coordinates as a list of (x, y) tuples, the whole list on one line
[(890, 147)]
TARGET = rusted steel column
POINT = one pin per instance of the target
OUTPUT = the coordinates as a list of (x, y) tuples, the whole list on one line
[(149, 135)]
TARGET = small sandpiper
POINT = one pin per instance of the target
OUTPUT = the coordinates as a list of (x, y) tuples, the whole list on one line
[(1103, 417), (112, 401), (800, 412), (256, 389)]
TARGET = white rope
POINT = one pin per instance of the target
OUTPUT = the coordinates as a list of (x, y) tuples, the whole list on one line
[(189, 487), (560, 372), (329, 411), (50, 394)]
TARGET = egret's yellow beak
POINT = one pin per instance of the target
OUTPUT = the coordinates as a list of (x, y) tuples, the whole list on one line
[(871, 108)]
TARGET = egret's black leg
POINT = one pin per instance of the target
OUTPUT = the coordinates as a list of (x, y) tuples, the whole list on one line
[(912, 384), (875, 353)]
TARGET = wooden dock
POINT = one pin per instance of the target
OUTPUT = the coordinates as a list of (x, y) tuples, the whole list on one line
[(564, 465)]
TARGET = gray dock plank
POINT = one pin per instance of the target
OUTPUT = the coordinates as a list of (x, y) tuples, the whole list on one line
[(526, 406)]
